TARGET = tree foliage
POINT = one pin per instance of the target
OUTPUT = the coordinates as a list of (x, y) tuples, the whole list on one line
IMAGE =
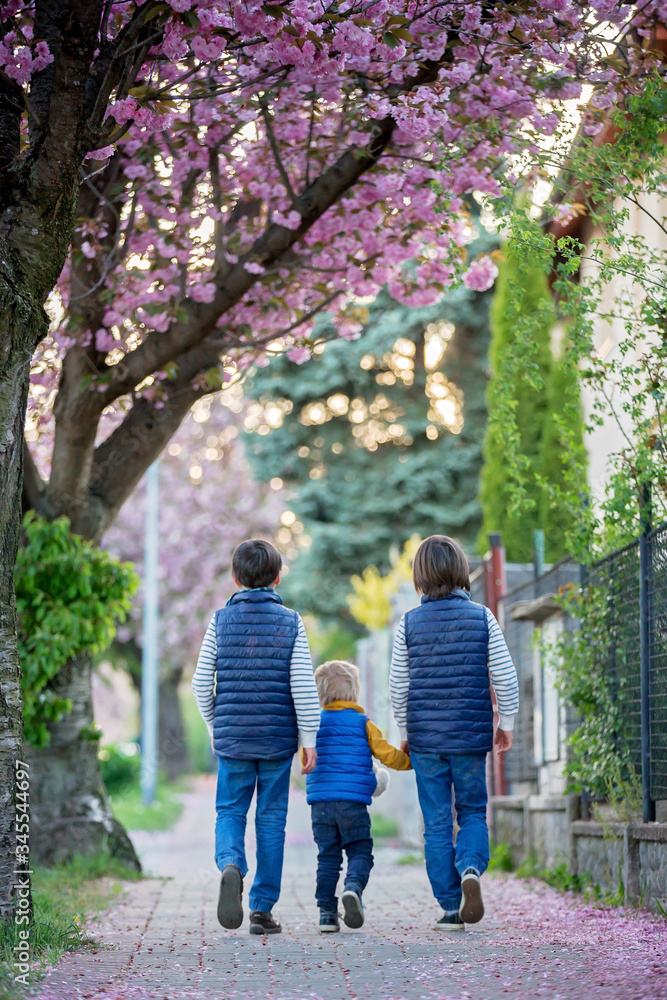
[(70, 596), (612, 295), (532, 400), (375, 440)]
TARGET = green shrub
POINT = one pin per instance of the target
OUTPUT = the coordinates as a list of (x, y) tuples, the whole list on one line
[(120, 764), (501, 858), (599, 758), (70, 595)]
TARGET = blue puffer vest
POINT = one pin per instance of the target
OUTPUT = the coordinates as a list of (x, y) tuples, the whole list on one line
[(254, 716), (449, 701), (344, 769)]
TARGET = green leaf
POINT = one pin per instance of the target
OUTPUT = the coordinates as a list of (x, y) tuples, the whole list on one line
[(190, 18), (276, 10)]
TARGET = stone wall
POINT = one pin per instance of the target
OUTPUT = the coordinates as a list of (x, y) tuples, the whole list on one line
[(629, 856)]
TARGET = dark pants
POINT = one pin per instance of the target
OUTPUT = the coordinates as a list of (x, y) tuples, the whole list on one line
[(338, 827)]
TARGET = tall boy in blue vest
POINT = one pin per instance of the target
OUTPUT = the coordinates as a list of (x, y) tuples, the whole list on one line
[(255, 690), (340, 789), (444, 653)]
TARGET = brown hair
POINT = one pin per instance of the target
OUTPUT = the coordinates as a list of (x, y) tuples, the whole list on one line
[(439, 567), (256, 563), (337, 680)]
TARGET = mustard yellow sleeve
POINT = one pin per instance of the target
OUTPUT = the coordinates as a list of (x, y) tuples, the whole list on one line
[(384, 752)]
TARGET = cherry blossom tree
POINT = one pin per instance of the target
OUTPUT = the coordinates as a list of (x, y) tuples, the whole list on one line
[(224, 171)]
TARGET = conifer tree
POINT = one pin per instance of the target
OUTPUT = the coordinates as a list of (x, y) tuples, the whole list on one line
[(543, 395), (377, 440)]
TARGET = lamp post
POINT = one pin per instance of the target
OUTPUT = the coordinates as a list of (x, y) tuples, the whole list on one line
[(149, 659)]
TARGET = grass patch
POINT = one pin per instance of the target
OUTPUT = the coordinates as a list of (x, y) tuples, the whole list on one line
[(64, 897), (560, 878), (501, 858), (383, 827), (197, 739), (410, 859), (161, 814)]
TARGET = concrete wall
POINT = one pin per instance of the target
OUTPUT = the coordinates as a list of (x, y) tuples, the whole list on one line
[(534, 826)]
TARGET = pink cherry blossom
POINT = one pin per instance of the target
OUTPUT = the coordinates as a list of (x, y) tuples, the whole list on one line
[(242, 122), (481, 274), (298, 355)]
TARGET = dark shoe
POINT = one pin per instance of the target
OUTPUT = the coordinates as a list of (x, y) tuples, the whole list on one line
[(354, 910), (263, 923), (449, 922), (329, 923), (471, 910), (230, 908)]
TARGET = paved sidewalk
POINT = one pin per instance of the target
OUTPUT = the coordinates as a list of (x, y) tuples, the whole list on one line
[(162, 942)]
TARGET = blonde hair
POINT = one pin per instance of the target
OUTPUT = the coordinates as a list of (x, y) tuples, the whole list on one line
[(337, 680)]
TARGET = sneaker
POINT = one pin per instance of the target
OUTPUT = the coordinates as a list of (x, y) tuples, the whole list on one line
[(471, 910), (329, 923), (263, 923), (230, 908), (450, 922), (354, 910)]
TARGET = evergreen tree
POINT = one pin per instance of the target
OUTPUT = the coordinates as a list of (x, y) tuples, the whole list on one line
[(378, 439), (542, 395), (563, 459)]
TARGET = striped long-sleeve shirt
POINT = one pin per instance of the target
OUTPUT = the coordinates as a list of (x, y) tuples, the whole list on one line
[(302, 683), (501, 670)]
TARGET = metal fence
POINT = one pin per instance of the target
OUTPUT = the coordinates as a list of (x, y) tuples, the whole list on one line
[(657, 655), (520, 637), (632, 648), (633, 582)]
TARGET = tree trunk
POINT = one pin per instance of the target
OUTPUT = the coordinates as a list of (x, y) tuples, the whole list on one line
[(14, 373), (172, 745), (71, 813)]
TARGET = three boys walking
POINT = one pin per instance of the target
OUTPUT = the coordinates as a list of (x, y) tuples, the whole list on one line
[(256, 691)]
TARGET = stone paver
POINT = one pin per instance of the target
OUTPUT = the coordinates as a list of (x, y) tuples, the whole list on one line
[(163, 941)]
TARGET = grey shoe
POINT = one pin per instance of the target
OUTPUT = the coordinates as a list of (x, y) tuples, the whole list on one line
[(471, 910), (230, 907), (353, 907)]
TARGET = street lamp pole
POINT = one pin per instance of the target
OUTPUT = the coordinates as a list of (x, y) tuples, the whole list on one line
[(149, 659)]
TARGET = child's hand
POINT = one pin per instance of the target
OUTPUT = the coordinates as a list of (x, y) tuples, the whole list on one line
[(404, 746), (503, 740), (309, 759)]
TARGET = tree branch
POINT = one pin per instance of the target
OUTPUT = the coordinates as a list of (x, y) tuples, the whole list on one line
[(123, 458), (273, 143)]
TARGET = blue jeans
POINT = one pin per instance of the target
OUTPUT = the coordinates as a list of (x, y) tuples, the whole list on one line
[(339, 826), (236, 784), (445, 863)]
